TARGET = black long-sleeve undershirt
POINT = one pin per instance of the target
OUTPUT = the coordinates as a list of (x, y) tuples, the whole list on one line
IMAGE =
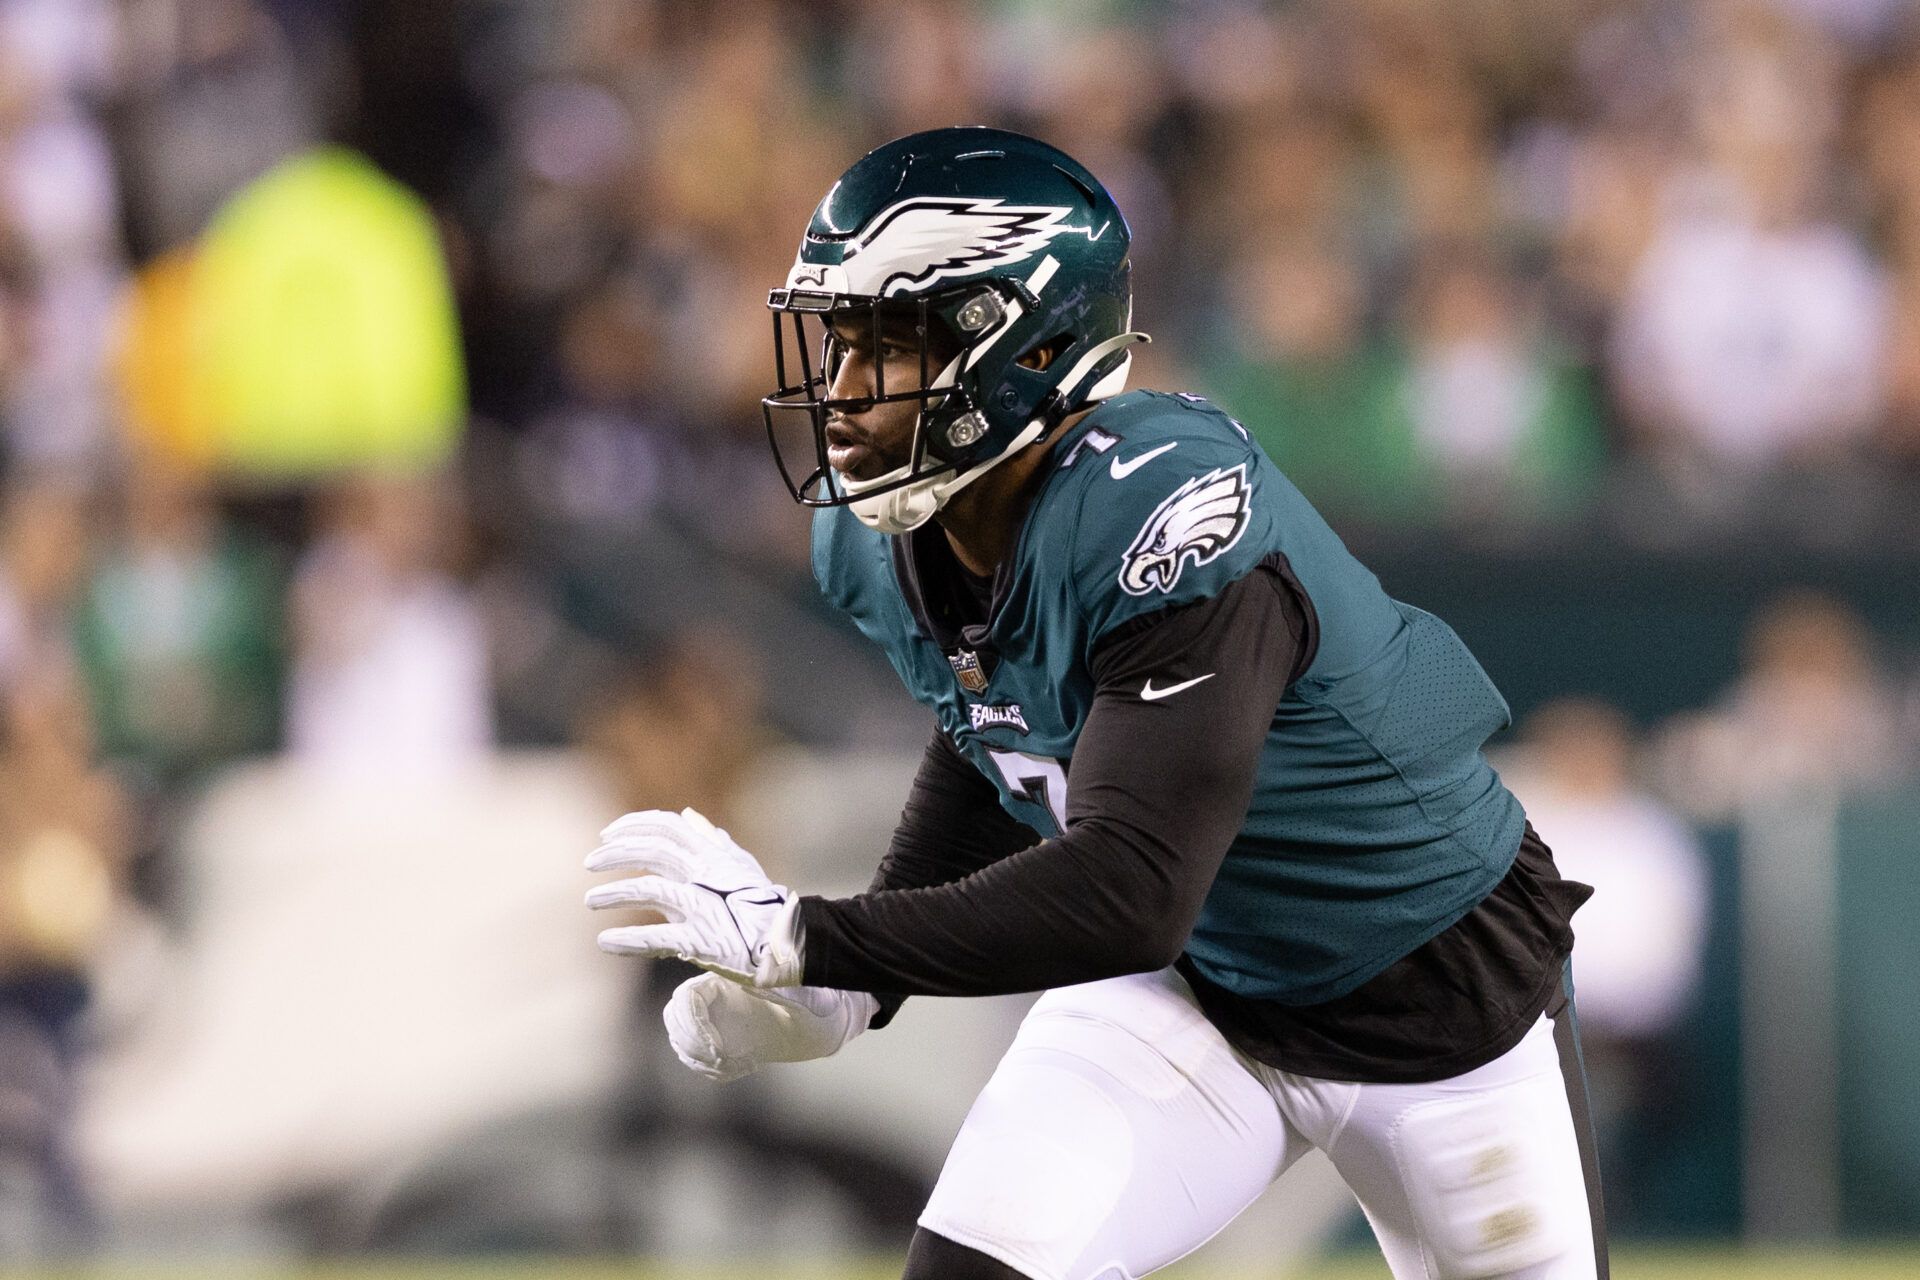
[(953, 825), (1157, 791)]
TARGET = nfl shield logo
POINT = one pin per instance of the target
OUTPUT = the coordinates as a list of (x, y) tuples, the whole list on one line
[(967, 670)]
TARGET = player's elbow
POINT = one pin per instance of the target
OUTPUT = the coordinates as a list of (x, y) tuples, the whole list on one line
[(1155, 944)]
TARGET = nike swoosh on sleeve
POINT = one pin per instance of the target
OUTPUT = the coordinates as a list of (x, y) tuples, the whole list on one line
[(1121, 470), (1150, 694)]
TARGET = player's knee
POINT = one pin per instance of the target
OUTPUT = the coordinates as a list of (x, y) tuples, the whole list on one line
[(934, 1257)]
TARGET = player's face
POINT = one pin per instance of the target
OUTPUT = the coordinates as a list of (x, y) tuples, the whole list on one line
[(879, 438)]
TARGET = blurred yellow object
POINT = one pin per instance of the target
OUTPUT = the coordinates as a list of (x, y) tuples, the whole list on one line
[(58, 892), (331, 339), (160, 363)]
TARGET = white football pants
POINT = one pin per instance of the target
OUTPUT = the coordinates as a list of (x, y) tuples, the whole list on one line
[(1122, 1131)]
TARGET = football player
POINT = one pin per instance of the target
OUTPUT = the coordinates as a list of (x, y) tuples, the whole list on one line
[(1193, 774)]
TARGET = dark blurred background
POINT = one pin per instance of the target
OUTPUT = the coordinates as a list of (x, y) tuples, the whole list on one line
[(384, 506)]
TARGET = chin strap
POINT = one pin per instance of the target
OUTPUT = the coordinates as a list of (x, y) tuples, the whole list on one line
[(910, 506)]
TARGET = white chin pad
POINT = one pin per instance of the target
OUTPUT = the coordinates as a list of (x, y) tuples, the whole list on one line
[(896, 511), (900, 511)]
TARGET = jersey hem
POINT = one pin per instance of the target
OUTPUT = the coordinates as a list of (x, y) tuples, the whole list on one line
[(1434, 1070)]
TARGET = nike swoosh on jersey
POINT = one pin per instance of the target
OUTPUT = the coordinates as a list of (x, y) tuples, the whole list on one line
[(1121, 470), (1150, 694)]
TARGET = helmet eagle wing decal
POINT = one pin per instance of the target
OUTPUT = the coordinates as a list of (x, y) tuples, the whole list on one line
[(910, 245)]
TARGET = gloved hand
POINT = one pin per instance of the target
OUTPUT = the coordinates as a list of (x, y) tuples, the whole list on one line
[(723, 913), (724, 1031)]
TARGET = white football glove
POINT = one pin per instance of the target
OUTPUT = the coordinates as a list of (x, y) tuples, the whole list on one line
[(723, 913), (724, 1031)]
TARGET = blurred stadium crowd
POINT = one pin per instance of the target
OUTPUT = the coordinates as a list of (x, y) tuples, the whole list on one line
[(1474, 273)]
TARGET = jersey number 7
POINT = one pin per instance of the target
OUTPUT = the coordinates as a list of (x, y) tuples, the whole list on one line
[(1040, 780)]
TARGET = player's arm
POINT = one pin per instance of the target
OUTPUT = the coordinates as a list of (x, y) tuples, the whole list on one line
[(951, 826), (1158, 790)]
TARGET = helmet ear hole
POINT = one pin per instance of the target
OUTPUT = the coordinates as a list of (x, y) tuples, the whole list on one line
[(1041, 355)]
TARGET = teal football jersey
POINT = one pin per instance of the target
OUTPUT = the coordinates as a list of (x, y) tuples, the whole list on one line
[(1375, 822)]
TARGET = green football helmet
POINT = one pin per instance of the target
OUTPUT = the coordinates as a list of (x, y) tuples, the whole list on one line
[(987, 246)]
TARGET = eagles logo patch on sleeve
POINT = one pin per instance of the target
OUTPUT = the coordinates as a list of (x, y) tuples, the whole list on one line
[(1198, 521)]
